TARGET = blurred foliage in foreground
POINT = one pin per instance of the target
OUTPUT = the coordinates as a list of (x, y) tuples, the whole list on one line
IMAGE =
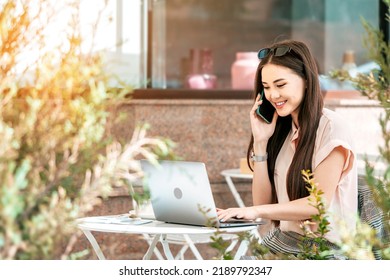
[(56, 161), (376, 86)]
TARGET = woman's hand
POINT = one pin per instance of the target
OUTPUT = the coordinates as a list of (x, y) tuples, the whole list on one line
[(260, 129), (248, 213)]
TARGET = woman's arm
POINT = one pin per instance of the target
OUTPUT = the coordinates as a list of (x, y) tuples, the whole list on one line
[(327, 175), (261, 131), (261, 185)]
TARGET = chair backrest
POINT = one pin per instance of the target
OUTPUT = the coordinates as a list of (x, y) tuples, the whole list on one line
[(372, 215)]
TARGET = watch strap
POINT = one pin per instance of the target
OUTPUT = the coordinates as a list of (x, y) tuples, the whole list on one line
[(255, 158)]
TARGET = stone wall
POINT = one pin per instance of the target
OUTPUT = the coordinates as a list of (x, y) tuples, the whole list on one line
[(215, 132)]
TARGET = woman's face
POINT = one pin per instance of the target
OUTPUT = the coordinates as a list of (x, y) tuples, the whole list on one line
[(284, 89)]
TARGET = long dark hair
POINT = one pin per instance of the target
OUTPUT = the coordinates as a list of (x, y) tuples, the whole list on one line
[(299, 60)]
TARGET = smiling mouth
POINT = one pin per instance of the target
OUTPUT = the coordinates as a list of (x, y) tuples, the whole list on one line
[(280, 104)]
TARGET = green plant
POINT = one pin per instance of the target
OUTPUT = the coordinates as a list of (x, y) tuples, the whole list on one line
[(318, 249), (57, 161)]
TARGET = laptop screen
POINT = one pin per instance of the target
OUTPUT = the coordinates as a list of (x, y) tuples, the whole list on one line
[(181, 193)]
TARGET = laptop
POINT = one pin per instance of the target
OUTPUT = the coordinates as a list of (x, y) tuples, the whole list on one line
[(180, 193)]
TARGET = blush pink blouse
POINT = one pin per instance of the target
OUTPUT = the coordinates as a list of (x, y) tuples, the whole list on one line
[(331, 133)]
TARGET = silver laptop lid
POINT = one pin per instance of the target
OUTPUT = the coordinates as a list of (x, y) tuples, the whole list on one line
[(180, 192)]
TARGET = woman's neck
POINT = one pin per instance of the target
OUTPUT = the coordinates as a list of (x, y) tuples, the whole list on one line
[(294, 117)]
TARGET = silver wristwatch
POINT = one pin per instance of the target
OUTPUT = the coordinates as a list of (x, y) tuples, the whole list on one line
[(255, 158)]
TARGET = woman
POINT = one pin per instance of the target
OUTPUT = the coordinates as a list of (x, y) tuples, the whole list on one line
[(301, 136)]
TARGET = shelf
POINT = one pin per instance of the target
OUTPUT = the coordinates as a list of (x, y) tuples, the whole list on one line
[(190, 94)]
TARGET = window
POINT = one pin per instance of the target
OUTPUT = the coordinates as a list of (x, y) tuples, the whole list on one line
[(226, 27)]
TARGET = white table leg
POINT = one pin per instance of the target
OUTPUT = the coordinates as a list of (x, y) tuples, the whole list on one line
[(233, 243), (165, 245), (152, 246), (242, 249), (149, 238), (94, 244), (234, 191), (192, 247), (180, 255)]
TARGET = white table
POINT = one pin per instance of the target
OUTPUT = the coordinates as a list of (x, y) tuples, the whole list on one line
[(160, 231), (235, 173)]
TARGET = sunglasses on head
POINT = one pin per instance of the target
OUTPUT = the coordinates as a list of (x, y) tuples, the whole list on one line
[(278, 51)]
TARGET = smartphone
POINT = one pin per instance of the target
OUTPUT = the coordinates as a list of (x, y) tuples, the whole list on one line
[(265, 110)]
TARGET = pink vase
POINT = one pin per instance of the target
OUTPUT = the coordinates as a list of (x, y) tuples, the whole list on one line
[(201, 70), (243, 70)]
